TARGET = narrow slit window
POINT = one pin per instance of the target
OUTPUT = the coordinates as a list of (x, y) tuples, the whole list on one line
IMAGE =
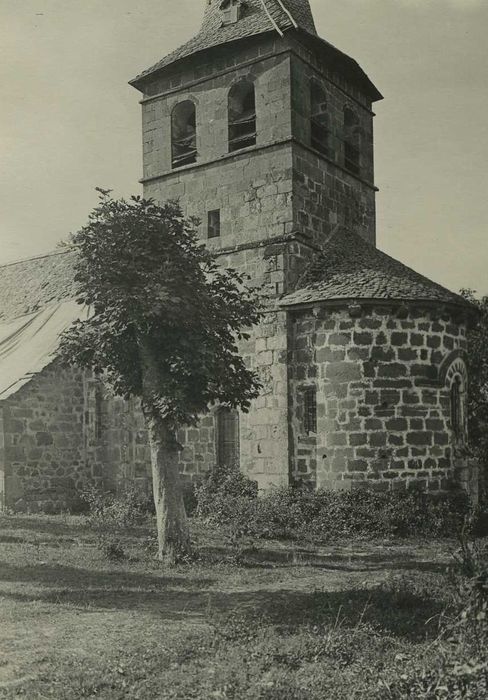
[(457, 419), (213, 230), (352, 141), (98, 413), (319, 119), (228, 440), (183, 134), (310, 410), (242, 116)]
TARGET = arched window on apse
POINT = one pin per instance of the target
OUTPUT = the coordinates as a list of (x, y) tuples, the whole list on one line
[(183, 134), (242, 115), (456, 379)]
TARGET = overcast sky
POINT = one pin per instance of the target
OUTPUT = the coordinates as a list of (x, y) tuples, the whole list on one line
[(69, 121)]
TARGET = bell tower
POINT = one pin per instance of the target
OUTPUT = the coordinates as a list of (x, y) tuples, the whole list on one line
[(260, 120)]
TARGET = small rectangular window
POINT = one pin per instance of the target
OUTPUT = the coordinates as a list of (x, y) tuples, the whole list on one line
[(310, 410), (213, 230)]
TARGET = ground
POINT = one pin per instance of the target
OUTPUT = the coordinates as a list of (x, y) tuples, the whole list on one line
[(267, 620)]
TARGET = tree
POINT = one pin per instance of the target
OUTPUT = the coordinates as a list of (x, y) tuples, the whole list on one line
[(165, 326), (478, 384)]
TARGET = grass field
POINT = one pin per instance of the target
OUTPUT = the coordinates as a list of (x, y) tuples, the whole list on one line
[(271, 622)]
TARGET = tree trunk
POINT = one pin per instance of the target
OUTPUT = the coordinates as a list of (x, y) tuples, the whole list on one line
[(171, 520)]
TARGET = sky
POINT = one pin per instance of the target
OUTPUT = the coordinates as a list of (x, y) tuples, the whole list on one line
[(69, 122)]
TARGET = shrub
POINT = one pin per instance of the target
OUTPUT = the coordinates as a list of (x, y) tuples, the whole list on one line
[(225, 496), (109, 514), (128, 508), (228, 498)]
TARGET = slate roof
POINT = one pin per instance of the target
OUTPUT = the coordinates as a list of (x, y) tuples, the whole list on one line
[(30, 285), (286, 15), (349, 268)]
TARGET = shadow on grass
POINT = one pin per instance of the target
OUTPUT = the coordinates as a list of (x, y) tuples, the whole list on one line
[(61, 576), (52, 525), (266, 558), (414, 619), (53, 529)]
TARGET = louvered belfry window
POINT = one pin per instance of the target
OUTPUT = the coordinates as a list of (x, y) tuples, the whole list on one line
[(242, 115), (228, 447), (352, 141), (183, 134), (319, 119)]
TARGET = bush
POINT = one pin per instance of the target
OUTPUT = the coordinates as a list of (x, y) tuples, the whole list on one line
[(227, 498), (109, 514), (128, 508)]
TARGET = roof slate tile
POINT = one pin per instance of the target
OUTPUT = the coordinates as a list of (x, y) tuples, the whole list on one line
[(30, 285), (349, 268)]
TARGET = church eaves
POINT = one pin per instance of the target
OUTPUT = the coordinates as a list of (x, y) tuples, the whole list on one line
[(351, 269)]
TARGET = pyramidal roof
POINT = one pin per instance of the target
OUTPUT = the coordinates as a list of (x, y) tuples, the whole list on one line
[(349, 268), (257, 17)]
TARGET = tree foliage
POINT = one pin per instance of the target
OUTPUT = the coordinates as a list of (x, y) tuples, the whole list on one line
[(478, 385), (165, 328), (150, 283)]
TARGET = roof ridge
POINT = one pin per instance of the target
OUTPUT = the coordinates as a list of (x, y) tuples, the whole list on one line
[(40, 256)]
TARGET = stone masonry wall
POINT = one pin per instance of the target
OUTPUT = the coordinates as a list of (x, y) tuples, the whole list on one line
[(44, 451), (324, 196), (264, 430), (383, 410), (324, 192)]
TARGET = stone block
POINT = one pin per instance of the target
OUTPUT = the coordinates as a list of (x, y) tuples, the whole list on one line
[(383, 354), (358, 439), (392, 370), (340, 338), (420, 438), (343, 372), (398, 339), (363, 338), (378, 439), (397, 424)]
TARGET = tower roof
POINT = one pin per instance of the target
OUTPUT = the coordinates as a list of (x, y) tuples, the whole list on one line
[(257, 17), (349, 268)]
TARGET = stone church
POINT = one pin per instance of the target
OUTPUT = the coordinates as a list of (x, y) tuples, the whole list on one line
[(264, 131)]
